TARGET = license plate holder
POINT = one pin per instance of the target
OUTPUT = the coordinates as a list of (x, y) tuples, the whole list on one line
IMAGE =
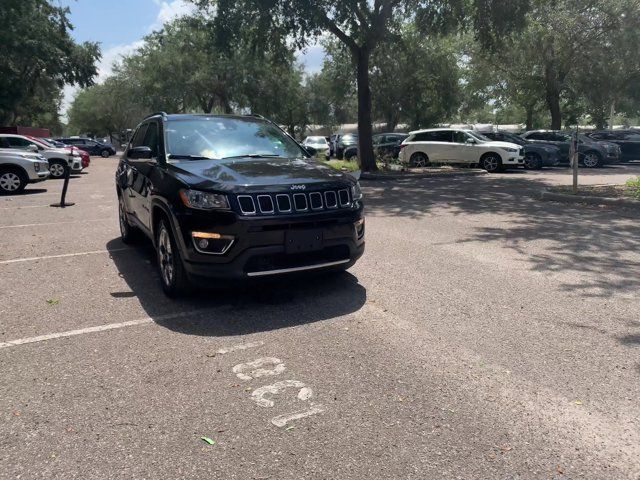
[(301, 241)]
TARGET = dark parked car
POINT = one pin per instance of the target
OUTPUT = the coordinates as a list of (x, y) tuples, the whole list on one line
[(90, 146), (343, 142), (627, 140), (536, 155), (592, 154), (234, 197), (384, 144)]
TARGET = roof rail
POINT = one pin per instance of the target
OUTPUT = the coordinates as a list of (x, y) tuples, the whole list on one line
[(257, 115), (163, 114)]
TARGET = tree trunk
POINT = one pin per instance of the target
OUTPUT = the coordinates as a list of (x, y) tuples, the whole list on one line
[(529, 118), (553, 102), (365, 129), (552, 89)]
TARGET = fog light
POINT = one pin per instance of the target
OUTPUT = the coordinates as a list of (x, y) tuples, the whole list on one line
[(212, 243), (359, 225)]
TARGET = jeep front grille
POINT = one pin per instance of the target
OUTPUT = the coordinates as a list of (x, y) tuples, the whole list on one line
[(266, 204)]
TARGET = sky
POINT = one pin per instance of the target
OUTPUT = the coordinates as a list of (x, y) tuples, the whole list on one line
[(120, 25)]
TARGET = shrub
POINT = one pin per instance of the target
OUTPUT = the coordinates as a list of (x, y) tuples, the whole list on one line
[(634, 185)]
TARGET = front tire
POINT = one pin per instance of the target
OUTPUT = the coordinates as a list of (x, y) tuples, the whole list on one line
[(56, 169), (12, 181), (491, 162), (592, 160), (105, 153), (172, 274)]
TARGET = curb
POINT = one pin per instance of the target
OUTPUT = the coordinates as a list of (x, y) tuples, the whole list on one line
[(566, 198), (405, 176)]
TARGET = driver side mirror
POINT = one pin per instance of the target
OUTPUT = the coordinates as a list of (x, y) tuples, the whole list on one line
[(32, 148), (470, 141), (140, 153)]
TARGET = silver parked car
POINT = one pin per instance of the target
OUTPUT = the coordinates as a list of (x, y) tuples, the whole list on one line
[(57, 157), (17, 169)]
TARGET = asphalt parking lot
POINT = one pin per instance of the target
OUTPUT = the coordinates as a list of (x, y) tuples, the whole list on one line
[(484, 334)]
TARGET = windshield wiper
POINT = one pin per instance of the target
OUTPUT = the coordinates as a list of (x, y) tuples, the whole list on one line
[(189, 157), (253, 155)]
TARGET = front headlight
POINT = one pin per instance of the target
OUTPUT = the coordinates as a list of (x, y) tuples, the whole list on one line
[(511, 150), (356, 192), (204, 200)]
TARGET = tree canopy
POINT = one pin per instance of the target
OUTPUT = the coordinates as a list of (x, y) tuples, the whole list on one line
[(38, 59)]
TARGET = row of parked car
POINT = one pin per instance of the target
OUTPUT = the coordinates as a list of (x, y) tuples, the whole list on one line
[(25, 159), (491, 150)]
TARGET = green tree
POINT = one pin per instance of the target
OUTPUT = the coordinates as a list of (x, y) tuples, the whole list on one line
[(362, 26), (38, 58)]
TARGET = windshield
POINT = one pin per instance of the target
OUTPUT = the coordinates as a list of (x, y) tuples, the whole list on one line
[(315, 141), (513, 138), (223, 137), (479, 136)]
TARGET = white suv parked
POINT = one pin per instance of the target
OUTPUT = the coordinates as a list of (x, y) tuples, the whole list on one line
[(56, 156), (17, 169), (453, 146)]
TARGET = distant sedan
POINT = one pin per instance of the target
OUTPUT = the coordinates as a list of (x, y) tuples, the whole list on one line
[(91, 146)]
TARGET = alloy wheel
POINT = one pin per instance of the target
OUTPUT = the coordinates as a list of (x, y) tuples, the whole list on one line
[(531, 162), (591, 160), (10, 182), (419, 160), (56, 170), (165, 256), (490, 163)]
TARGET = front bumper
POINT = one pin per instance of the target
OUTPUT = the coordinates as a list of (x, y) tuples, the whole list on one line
[(259, 248), (512, 159), (76, 164)]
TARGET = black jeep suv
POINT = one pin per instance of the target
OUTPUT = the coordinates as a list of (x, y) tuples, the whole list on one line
[(234, 197)]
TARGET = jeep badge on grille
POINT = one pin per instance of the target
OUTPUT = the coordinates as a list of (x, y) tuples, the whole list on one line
[(298, 187)]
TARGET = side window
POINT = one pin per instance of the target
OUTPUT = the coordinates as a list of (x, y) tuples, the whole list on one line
[(424, 137), (151, 138), (537, 136), (443, 136), (16, 142), (632, 136), (138, 137), (459, 137)]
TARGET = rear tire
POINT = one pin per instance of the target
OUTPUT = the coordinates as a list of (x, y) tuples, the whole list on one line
[(12, 181), (532, 161), (172, 273), (419, 160)]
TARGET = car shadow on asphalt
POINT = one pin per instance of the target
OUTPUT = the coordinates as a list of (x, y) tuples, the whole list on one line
[(593, 251), (238, 309)]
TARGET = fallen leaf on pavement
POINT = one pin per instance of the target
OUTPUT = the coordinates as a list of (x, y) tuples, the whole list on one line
[(53, 301), (207, 440)]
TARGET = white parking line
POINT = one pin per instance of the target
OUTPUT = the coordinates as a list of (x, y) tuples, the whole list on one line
[(65, 255), (99, 328), (243, 346), (52, 223)]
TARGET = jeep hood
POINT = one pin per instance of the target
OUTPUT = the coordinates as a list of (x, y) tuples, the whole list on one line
[(248, 172)]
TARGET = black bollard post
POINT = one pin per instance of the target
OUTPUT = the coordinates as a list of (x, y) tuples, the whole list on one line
[(63, 203)]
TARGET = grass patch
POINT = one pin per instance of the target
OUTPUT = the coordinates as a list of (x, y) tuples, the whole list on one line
[(342, 165), (630, 190)]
